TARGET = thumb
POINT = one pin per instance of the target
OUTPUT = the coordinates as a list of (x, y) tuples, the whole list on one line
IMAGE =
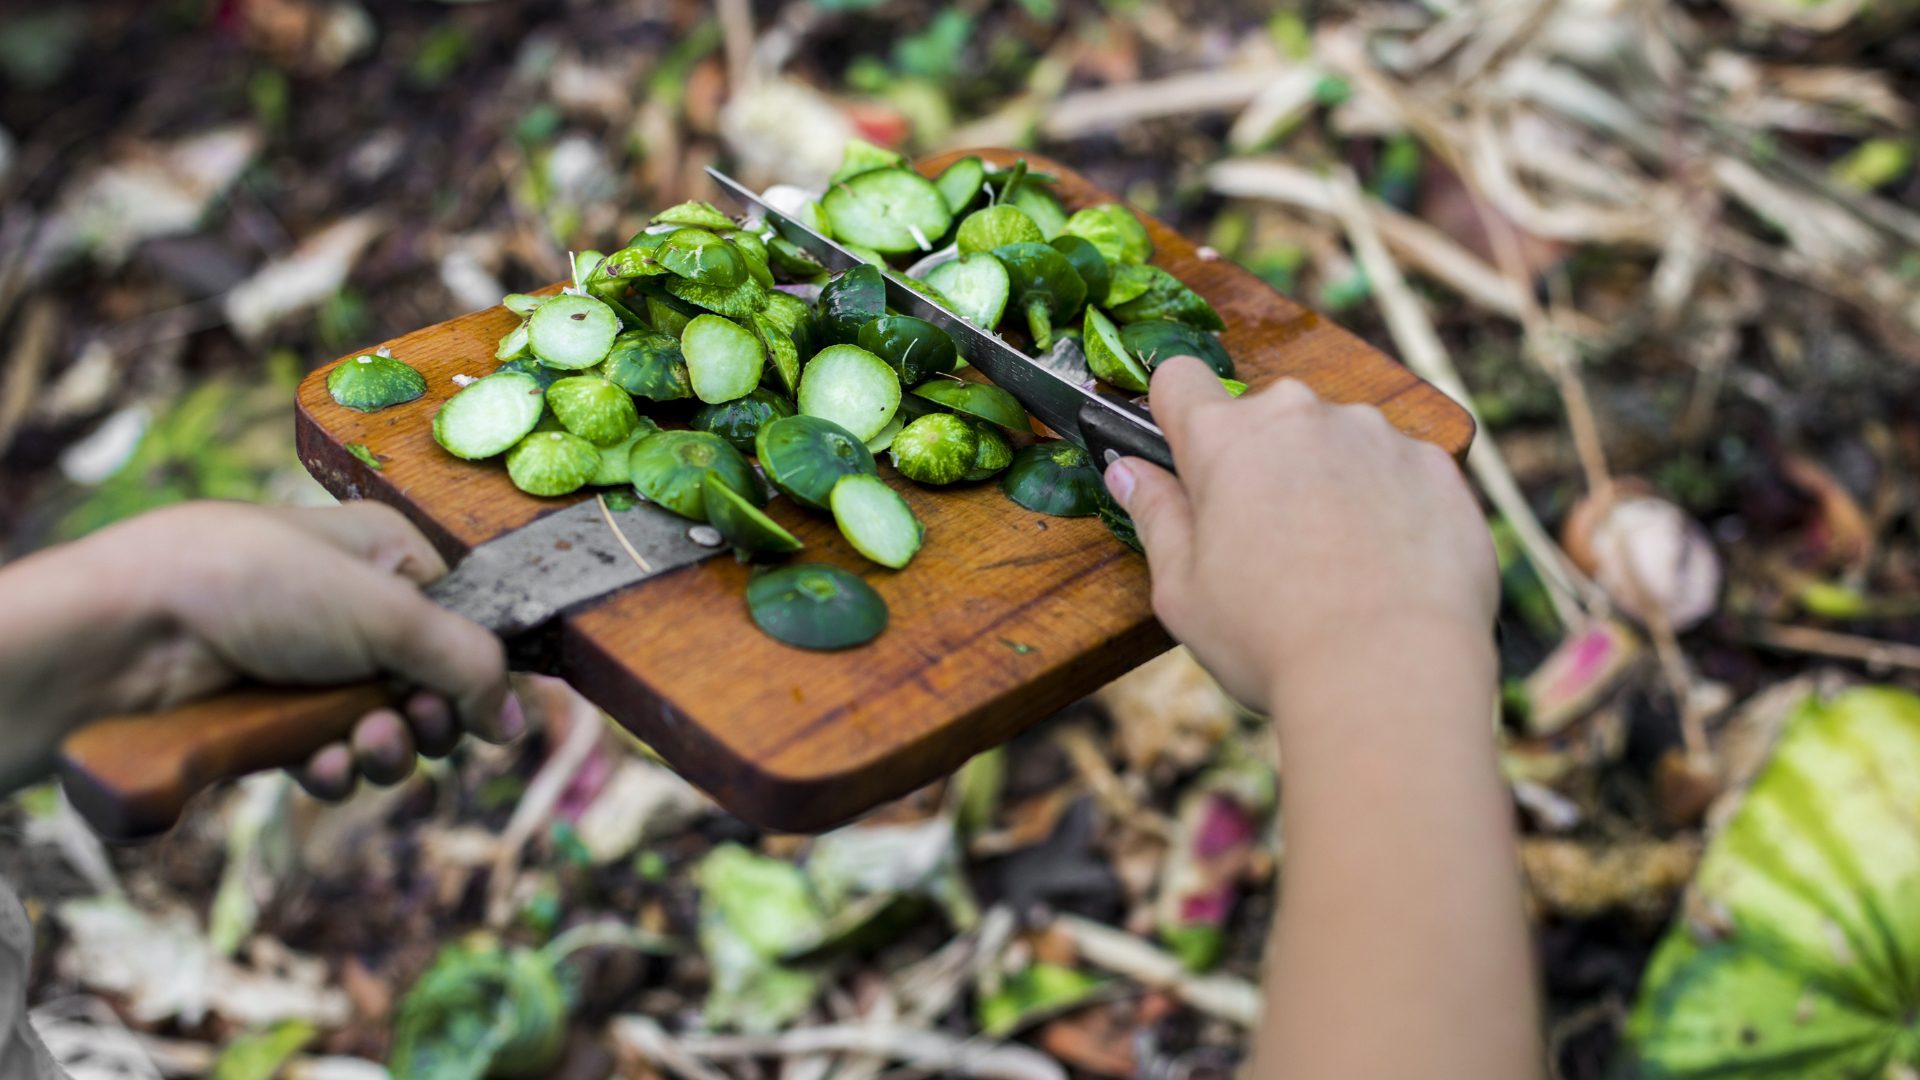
[(1159, 507)]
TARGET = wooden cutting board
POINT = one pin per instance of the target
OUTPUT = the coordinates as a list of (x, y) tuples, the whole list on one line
[(1005, 616)]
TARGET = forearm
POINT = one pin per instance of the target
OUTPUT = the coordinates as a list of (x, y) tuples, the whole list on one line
[(1400, 948)]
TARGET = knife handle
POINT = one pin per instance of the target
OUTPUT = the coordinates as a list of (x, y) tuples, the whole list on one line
[(1109, 435), (129, 776)]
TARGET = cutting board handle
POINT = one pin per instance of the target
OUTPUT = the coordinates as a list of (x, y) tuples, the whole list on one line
[(129, 776)]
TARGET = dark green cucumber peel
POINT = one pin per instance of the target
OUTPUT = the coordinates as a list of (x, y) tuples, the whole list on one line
[(816, 606), (739, 421), (741, 523), (982, 400), (804, 456), (371, 382), (1055, 478), (669, 467), (915, 348), (648, 364), (1046, 289)]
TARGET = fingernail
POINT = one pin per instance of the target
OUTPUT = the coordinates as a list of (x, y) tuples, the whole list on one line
[(513, 719), (1120, 482)]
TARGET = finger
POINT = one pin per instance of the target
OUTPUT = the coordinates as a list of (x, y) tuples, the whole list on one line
[(328, 775), (1181, 386), (433, 648), (435, 731), (372, 532), (1159, 507), (383, 747)]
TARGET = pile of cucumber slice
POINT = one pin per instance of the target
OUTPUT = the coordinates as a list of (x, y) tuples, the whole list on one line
[(703, 324)]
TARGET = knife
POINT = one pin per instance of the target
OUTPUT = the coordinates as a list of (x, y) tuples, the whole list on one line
[(129, 776), (1108, 428)]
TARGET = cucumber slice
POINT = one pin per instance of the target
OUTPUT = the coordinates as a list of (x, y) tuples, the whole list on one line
[(783, 354), (789, 262), (879, 443), (1045, 288), (804, 456), (891, 211), (976, 285), (739, 421), (733, 301), (371, 382), (724, 359), (702, 256), (1154, 340), (1086, 261), (668, 467), (1119, 523), (522, 304), (1167, 297), (754, 253), (613, 470), (572, 332), (490, 416), (936, 449), (850, 301), (742, 524), (648, 364), (1114, 230), (991, 454), (584, 265), (641, 258), (816, 606), (550, 463), (1040, 206), (696, 213), (593, 408), (1234, 387), (1107, 355), (515, 344), (861, 156), (983, 400), (914, 348), (788, 312), (527, 365), (1055, 478), (1130, 280), (996, 226), (962, 183), (665, 312), (876, 520), (851, 387)]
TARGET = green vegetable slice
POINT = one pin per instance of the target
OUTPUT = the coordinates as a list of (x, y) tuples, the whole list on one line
[(669, 466), (983, 400), (739, 421), (593, 408), (696, 213), (1167, 297), (641, 258), (816, 606), (851, 387), (584, 264), (790, 262), (804, 456), (962, 183), (665, 312), (1154, 340), (549, 463), (514, 344), (754, 251), (879, 443), (1088, 263), (1056, 478), (860, 156), (1113, 229), (1046, 289), (876, 520), (572, 332), (1119, 522), (850, 301), (1041, 208), (371, 382), (991, 454), (490, 416), (783, 353), (613, 469), (996, 226), (914, 348), (889, 210), (733, 301), (527, 365), (936, 449), (648, 364), (365, 456), (742, 524), (1107, 355), (522, 304), (1233, 387), (724, 359), (1130, 280), (976, 286), (702, 256)]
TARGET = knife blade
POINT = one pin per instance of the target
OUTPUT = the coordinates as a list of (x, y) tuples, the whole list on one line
[(1106, 427)]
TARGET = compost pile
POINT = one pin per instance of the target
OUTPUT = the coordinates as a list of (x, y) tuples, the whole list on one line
[(1665, 253)]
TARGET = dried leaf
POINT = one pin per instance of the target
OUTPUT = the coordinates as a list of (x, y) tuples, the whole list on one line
[(297, 281)]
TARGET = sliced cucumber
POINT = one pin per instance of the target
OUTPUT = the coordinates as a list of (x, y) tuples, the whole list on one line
[(371, 382), (613, 470), (879, 443), (1107, 354), (861, 156), (783, 355), (1086, 261), (648, 364), (1167, 297), (1046, 289), (550, 463), (851, 387), (522, 304), (1114, 230), (724, 359), (696, 213), (665, 312), (876, 520), (936, 449), (791, 263), (742, 524), (996, 226), (702, 256), (527, 365), (914, 348), (976, 286), (962, 183), (850, 301), (754, 251), (891, 211), (593, 408), (739, 421), (983, 400), (804, 456), (1056, 478), (572, 332), (490, 416), (641, 258), (668, 467), (1154, 340), (816, 606), (1040, 206), (1130, 280), (734, 301), (991, 454), (514, 344)]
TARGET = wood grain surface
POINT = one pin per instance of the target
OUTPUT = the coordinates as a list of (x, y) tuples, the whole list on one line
[(1004, 617)]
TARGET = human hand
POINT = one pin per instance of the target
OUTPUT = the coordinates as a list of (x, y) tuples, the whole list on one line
[(207, 593), (1296, 527)]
